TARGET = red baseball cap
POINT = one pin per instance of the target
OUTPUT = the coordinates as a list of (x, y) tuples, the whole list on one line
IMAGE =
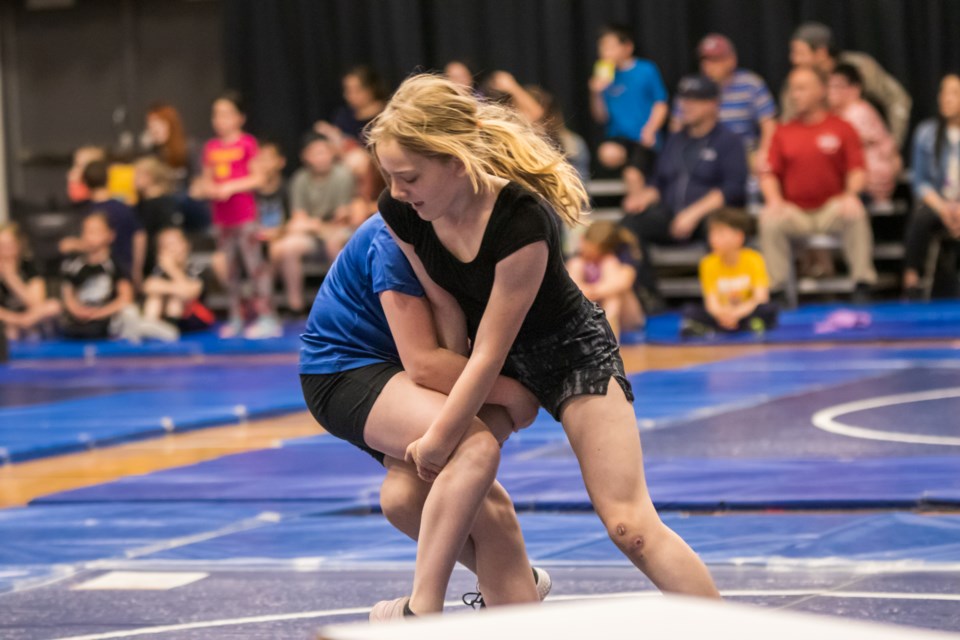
[(715, 45)]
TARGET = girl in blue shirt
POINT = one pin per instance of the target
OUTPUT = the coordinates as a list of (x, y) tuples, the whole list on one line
[(374, 374)]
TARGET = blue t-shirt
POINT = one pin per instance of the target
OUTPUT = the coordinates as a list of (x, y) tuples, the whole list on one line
[(630, 99), (347, 328)]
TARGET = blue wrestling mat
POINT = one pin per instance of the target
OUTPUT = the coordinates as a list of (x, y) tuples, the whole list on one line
[(826, 323), (191, 344)]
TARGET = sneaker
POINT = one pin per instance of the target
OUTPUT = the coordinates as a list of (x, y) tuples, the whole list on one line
[(387, 610), (693, 329), (264, 327), (474, 599), (861, 293), (758, 326), (231, 329)]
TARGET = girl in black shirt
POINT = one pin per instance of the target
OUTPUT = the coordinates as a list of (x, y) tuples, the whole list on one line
[(24, 305), (474, 196)]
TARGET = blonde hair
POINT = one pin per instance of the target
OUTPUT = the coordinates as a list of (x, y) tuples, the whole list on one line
[(434, 117), (159, 172), (20, 236), (611, 238)]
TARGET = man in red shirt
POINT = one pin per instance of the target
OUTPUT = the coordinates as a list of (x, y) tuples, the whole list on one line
[(812, 185)]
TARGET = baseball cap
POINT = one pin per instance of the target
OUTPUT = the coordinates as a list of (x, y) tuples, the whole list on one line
[(715, 45), (698, 87), (815, 34)]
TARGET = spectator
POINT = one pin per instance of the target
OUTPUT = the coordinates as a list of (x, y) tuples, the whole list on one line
[(230, 179), (703, 167), (317, 190), (273, 206), (573, 145), (628, 97), (605, 272), (736, 290), (936, 183), (746, 106), (812, 45), (97, 294), (459, 71), (175, 287), (880, 152), (366, 96), (24, 306), (165, 138), (157, 208), (129, 248), (813, 184), (77, 191)]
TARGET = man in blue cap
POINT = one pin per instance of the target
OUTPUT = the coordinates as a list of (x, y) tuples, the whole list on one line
[(703, 167)]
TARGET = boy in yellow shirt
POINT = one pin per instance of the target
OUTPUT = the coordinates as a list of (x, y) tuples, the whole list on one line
[(736, 289)]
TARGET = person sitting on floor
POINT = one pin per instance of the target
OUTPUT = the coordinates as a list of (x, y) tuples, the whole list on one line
[(24, 305), (736, 289), (174, 289), (605, 272)]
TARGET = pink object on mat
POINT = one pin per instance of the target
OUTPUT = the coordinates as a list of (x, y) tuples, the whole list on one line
[(843, 319)]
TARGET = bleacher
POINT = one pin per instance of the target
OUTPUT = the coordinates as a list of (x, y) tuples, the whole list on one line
[(677, 266)]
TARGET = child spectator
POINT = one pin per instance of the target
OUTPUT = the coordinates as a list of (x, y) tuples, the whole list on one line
[(605, 272), (736, 290), (157, 207), (628, 96), (230, 179), (24, 306), (321, 186), (273, 205), (175, 288), (845, 97), (129, 248), (77, 191), (165, 138)]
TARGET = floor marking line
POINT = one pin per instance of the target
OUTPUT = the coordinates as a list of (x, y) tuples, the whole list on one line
[(825, 419)]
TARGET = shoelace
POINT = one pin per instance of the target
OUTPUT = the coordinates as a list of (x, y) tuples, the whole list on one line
[(474, 600)]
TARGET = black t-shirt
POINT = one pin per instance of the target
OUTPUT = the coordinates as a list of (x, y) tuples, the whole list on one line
[(519, 218), (94, 285), (156, 214), (8, 299), (194, 271)]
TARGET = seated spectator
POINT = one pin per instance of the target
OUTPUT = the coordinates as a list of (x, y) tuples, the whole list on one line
[(24, 306), (746, 106), (273, 206), (317, 190), (175, 287), (157, 207), (459, 71), (936, 183), (97, 294), (703, 167), (539, 107), (813, 185), (365, 95), (165, 138), (812, 45), (845, 97), (736, 290), (129, 248), (627, 95), (605, 272), (77, 191)]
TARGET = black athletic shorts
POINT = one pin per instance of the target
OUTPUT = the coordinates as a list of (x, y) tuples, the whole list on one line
[(638, 156), (579, 359), (341, 402)]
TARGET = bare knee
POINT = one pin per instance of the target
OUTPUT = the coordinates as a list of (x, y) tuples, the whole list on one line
[(401, 507), (632, 536), (480, 450), (612, 155)]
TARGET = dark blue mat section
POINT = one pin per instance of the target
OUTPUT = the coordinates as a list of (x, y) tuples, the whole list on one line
[(888, 321), (192, 344), (74, 409), (560, 539), (548, 478)]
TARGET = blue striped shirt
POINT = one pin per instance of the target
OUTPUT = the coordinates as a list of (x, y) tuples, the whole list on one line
[(744, 102)]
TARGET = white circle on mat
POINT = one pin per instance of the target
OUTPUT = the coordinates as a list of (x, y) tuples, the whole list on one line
[(826, 419)]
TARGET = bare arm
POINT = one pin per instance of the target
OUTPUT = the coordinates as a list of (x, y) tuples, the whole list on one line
[(616, 279), (139, 255), (516, 283), (856, 182), (658, 115), (431, 366)]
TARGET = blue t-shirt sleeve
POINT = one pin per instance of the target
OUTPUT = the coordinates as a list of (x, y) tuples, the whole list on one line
[(389, 268), (659, 89), (763, 102)]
